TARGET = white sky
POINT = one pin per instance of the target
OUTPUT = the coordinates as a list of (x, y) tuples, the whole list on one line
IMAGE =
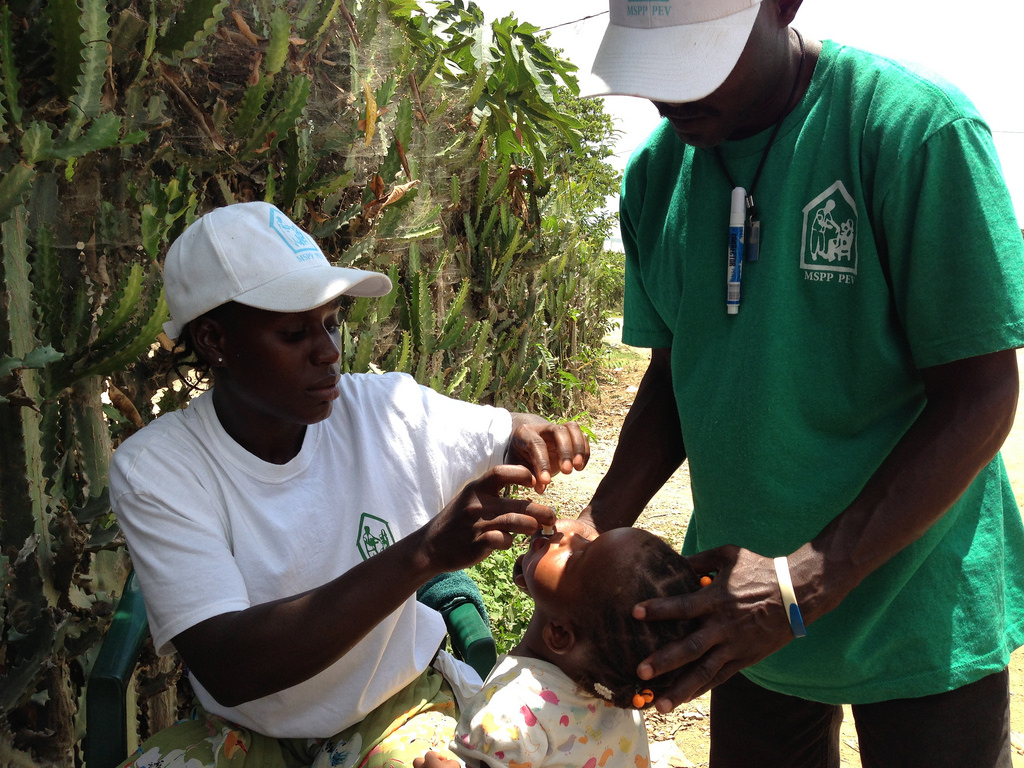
[(974, 45)]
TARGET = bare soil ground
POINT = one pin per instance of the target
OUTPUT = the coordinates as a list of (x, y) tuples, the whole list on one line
[(680, 739)]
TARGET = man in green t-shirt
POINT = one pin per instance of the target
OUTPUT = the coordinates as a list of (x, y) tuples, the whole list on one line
[(841, 393)]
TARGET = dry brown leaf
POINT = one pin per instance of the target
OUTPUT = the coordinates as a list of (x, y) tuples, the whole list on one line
[(244, 28), (398, 192)]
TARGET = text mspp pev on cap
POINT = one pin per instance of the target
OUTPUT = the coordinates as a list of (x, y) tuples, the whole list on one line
[(670, 50)]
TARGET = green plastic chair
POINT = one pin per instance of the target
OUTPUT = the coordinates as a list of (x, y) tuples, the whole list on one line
[(454, 595)]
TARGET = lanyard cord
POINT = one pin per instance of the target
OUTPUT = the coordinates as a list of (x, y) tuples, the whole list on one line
[(751, 210)]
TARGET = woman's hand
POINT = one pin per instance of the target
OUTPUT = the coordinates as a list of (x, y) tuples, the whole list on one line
[(546, 448), (480, 520)]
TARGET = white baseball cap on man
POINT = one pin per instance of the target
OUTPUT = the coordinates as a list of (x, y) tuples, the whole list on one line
[(253, 254), (670, 50)]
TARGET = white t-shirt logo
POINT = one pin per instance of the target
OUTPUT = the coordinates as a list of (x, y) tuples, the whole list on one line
[(374, 536)]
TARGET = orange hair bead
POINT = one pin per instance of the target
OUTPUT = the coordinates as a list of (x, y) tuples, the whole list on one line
[(705, 581), (642, 698)]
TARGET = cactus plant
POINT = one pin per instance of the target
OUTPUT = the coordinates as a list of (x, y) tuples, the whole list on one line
[(409, 140)]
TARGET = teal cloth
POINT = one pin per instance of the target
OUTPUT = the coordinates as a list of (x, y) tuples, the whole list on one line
[(447, 591)]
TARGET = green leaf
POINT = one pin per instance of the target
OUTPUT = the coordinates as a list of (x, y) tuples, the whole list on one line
[(16, 285), (14, 185), (47, 281), (89, 91), (251, 107), (404, 360), (403, 123), (386, 304), (151, 230), (282, 116), (385, 92), (8, 69), (130, 351), (65, 30), (354, 252), (364, 351), (193, 23), (454, 312), (9, 364), (316, 18), (104, 132), (453, 336), (41, 357), (419, 233), (277, 50), (110, 322)]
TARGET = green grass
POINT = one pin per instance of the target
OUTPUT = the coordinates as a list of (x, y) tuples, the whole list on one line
[(615, 356), (509, 607)]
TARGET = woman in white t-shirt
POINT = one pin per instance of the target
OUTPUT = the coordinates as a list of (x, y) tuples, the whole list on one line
[(282, 523)]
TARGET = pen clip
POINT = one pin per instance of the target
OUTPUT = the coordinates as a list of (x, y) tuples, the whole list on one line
[(752, 231)]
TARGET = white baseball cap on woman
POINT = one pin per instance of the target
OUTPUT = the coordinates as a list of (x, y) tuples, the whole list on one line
[(253, 254), (670, 50)]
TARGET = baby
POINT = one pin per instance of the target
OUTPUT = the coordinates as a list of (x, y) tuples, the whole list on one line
[(568, 694)]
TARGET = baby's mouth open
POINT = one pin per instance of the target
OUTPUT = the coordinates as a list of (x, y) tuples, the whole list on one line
[(518, 577)]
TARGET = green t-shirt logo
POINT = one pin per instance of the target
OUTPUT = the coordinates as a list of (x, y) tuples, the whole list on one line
[(830, 235), (374, 536)]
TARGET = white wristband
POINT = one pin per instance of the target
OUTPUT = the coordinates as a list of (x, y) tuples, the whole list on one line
[(796, 619)]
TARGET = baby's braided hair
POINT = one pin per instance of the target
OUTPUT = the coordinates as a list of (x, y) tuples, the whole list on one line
[(617, 642)]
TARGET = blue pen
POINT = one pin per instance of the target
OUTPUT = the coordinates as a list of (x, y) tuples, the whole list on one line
[(737, 214)]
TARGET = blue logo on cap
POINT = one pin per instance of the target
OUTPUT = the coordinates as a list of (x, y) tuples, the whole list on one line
[(298, 242)]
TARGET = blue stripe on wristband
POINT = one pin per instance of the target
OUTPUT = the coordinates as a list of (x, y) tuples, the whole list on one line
[(796, 619)]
